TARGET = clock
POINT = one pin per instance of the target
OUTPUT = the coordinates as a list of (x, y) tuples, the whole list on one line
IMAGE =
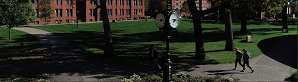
[(160, 20), (174, 20)]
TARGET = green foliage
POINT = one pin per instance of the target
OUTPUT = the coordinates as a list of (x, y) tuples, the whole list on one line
[(135, 77), (71, 21), (14, 13), (119, 19), (48, 23), (273, 7), (154, 78), (60, 22), (185, 8), (294, 76), (129, 18), (79, 21), (146, 5), (123, 18), (136, 18), (45, 8), (183, 75), (210, 79)]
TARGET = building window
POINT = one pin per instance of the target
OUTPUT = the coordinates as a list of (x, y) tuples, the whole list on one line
[(94, 12), (108, 2), (122, 11), (90, 20), (70, 2), (56, 21), (129, 12), (36, 12), (119, 11), (32, 1), (115, 12), (111, 12), (90, 12), (56, 12), (120, 2), (36, 22), (173, 6), (111, 2), (60, 2), (133, 11), (36, 2), (126, 12), (108, 12), (116, 2), (60, 12), (70, 13), (98, 2), (56, 2), (66, 12), (90, 2), (67, 21), (67, 2)]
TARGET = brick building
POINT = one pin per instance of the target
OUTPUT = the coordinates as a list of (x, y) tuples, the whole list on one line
[(67, 11), (175, 4)]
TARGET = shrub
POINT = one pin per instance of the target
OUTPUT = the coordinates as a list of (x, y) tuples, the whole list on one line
[(265, 19), (129, 18), (71, 22), (48, 23), (60, 22), (119, 19), (154, 78), (136, 18), (79, 21), (123, 18), (145, 17), (294, 76)]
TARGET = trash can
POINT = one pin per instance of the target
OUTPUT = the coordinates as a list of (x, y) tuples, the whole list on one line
[(248, 38)]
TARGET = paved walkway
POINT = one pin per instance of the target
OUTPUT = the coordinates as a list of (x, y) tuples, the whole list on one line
[(66, 63)]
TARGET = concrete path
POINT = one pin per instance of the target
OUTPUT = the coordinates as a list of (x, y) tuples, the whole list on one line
[(67, 63), (276, 65)]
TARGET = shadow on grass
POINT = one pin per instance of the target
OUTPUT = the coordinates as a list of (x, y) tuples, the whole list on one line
[(12, 52)]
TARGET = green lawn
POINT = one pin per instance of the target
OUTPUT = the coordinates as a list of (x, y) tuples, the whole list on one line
[(131, 40), (12, 52)]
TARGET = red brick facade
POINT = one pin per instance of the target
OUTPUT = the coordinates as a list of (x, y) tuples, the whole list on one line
[(67, 11)]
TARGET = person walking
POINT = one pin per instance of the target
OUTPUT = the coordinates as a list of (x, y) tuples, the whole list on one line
[(238, 58), (246, 56), (154, 60)]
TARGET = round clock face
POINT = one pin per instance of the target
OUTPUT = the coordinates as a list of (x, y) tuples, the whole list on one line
[(174, 20), (160, 20)]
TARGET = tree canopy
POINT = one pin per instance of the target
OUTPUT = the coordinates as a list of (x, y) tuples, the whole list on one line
[(45, 8), (14, 13)]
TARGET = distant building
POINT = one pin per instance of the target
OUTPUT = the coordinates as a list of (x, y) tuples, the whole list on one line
[(67, 11)]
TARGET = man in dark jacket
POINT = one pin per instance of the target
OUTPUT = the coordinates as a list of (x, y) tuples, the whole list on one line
[(246, 56), (238, 58)]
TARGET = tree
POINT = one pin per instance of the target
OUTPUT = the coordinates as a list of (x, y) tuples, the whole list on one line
[(109, 50), (200, 51), (242, 7), (162, 5), (46, 10), (15, 13), (185, 8), (146, 5), (229, 31)]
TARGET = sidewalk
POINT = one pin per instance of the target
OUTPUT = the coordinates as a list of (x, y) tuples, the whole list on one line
[(67, 63)]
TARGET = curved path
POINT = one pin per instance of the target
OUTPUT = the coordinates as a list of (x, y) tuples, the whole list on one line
[(66, 63)]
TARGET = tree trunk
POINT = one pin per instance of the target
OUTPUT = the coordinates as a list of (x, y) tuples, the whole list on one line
[(243, 23), (284, 20), (276, 17), (9, 32), (45, 20), (107, 31), (200, 52), (229, 31)]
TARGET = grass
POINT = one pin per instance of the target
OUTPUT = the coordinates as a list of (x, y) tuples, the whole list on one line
[(12, 52), (131, 40)]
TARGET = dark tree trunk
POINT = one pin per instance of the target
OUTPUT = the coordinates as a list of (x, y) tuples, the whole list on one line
[(243, 23), (276, 17), (9, 32), (229, 32), (45, 21), (107, 30), (200, 52), (284, 19), (96, 15)]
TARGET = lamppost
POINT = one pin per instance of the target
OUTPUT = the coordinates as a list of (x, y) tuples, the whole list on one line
[(167, 21), (78, 18), (218, 16)]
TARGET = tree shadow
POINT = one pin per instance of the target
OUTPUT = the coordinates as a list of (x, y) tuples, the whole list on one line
[(12, 51)]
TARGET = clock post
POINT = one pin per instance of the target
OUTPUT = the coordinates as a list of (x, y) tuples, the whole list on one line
[(167, 21)]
